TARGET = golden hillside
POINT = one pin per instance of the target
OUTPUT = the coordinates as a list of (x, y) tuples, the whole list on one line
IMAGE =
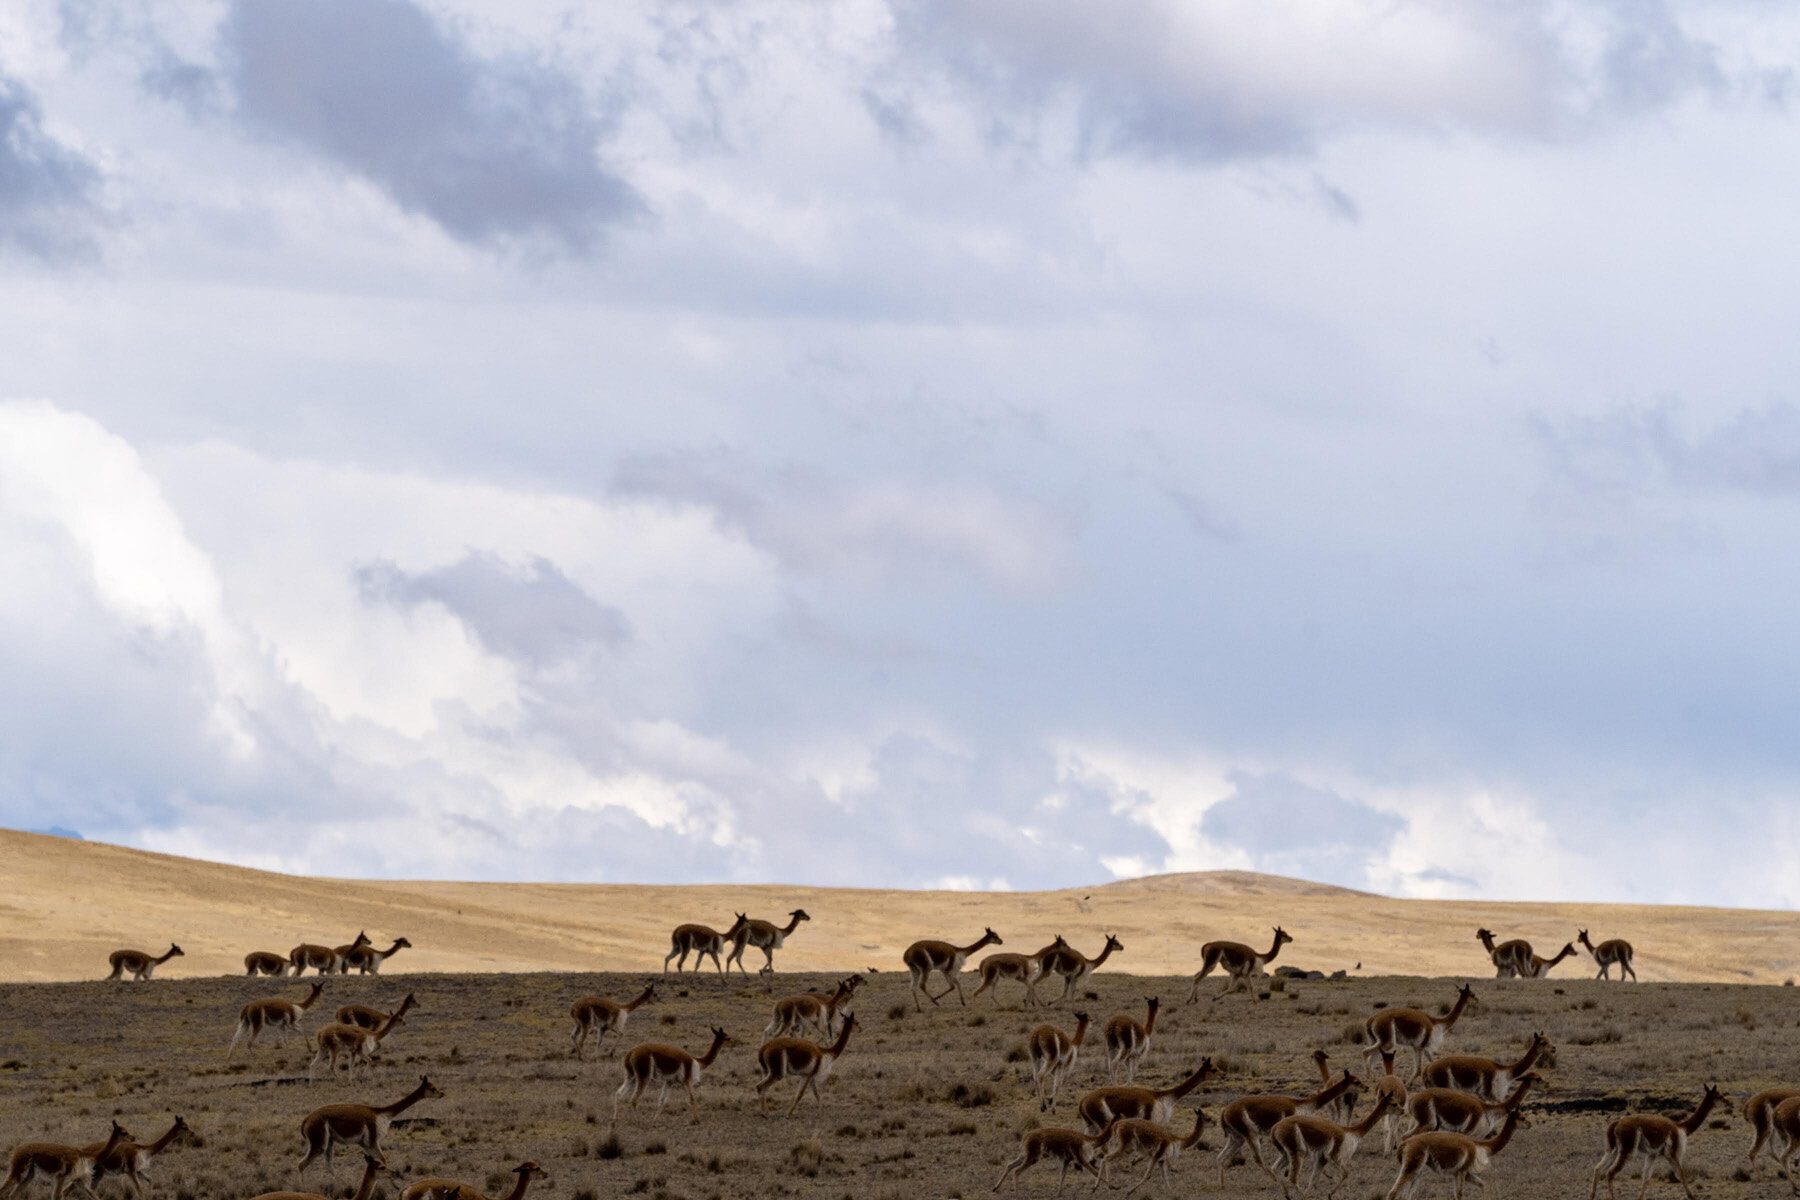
[(65, 904)]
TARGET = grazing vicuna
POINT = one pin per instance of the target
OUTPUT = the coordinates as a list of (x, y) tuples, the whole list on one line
[(1239, 962)]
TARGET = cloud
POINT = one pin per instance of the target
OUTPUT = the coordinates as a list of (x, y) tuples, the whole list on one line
[(1293, 828), (493, 150), (50, 205), (533, 613), (813, 522), (1246, 79)]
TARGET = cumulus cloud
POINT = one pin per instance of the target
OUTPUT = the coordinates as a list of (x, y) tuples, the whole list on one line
[(1293, 828), (50, 206), (533, 612), (493, 150)]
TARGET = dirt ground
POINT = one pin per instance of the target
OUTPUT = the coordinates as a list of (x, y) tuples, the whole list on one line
[(921, 1105)]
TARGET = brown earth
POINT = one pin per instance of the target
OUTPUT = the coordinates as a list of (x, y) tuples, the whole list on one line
[(65, 904), (925, 1104)]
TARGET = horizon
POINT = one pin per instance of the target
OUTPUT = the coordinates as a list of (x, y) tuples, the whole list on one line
[(892, 443)]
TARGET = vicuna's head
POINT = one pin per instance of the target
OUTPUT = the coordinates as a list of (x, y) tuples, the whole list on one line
[(1282, 936)]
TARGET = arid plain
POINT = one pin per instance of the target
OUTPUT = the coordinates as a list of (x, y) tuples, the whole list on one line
[(921, 1104)]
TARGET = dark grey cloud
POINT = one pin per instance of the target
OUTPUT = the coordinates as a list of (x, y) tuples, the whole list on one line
[(1292, 828), (533, 614), (49, 192), (493, 150)]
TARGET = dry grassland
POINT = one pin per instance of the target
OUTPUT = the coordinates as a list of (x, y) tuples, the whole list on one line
[(64, 905), (922, 1105)]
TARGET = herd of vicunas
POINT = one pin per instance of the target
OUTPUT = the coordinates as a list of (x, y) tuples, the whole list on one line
[(1448, 1115)]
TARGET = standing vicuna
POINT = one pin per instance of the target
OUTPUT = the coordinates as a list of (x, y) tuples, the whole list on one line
[(1647, 1138), (1457, 1155), (795, 1058), (1104, 1105), (139, 964), (1613, 950), (923, 958), (1022, 968), (1247, 1119), (1322, 1143), (703, 942), (357, 1124), (1238, 961), (350, 1042), (132, 1159), (272, 1012), (765, 936), (367, 960), (665, 1065), (449, 1189), (1510, 958), (1073, 966), (1066, 1147), (1413, 1029), (1160, 1145), (597, 1016), (1484, 1076), (372, 1167), (64, 1166), (1128, 1040), (1053, 1054)]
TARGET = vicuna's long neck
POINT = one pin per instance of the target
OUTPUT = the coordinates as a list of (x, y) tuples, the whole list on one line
[(712, 1051), (368, 1180), (518, 1192), (843, 1039), (1193, 1139), (1105, 953), (162, 1143), (1456, 1010), (1191, 1082), (405, 1102), (1530, 1056), (113, 1139), (387, 1026), (1582, 937), (1487, 940), (1362, 1127), (1518, 1093), (1081, 1028), (388, 953), (1150, 1021), (1331, 1091), (1697, 1118), (1560, 955), (312, 999), (173, 950), (1274, 949), (1498, 1142), (984, 940), (643, 998), (793, 924)]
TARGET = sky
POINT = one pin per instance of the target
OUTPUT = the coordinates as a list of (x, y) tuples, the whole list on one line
[(907, 443)]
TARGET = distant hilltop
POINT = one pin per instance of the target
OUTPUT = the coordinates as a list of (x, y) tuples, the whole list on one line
[(67, 904)]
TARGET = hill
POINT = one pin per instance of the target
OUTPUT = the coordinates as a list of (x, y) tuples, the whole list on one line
[(65, 904)]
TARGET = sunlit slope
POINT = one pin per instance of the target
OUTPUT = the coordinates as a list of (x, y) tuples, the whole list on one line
[(65, 904)]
